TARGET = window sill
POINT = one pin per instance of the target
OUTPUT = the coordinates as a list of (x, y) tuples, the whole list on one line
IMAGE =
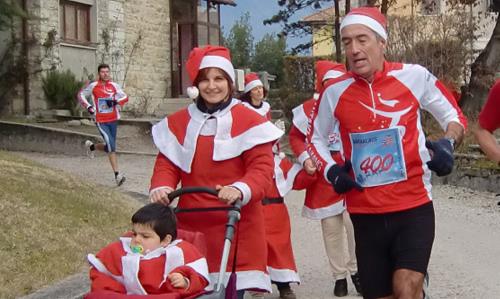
[(89, 46)]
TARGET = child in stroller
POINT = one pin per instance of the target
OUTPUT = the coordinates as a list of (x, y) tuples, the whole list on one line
[(150, 261)]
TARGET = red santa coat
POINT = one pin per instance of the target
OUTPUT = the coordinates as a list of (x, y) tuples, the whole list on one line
[(229, 147), (321, 200), (118, 270), (280, 258)]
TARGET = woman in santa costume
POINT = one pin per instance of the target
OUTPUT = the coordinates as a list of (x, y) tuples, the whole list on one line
[(280, 259), (321, 202), (255, 94), (218, 142)]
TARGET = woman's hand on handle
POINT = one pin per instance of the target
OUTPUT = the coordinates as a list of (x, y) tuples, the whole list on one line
[(160, 195), (228, 194)]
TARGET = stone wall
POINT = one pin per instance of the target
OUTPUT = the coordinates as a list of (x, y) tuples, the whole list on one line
[(138, 49), (149, 74)]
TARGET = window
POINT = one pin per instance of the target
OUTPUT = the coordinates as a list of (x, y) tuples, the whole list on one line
[(208, 23), (430, 7), (74, 22)]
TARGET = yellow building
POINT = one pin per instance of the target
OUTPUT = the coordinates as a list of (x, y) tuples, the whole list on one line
[(322, 23)]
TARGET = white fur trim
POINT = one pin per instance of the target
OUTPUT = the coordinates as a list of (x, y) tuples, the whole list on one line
[(252, 84), (174, 257), (364, 20), (300, 119), (284, 184), (245, 191), (96, 263), (262, 110), (225, 146), (303, 157), (200, 266), (219, 62), (252, 279), (332, 74), (283, 275), (130, 271), (321, 213), (166, 142)]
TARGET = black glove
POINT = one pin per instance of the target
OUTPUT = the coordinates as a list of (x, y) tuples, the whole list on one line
[(340, 178), (442, 157), (110, 103), (91, 110)]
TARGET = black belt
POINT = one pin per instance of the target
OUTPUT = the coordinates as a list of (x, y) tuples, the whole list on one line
[(268, 201)]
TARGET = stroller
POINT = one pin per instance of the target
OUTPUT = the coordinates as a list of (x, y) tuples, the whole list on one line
[(220, 291)]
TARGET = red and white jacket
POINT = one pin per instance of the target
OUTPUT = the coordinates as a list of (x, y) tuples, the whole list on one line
[(393, 100), (102, 94), (321, 201), (117, 269)]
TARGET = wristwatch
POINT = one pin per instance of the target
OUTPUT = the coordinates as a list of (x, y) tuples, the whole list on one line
[(452, 142)]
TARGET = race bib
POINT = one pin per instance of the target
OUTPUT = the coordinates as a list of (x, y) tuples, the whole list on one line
[(105, 105), (377, 157)]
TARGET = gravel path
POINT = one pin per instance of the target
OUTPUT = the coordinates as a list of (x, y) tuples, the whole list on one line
[(465, 262)]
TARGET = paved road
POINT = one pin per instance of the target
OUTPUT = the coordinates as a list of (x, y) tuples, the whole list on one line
[(465, 262)]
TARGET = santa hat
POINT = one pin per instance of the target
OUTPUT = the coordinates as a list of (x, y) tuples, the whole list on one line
[(325, 70), (208, 56), (252, 81), (371, 17)]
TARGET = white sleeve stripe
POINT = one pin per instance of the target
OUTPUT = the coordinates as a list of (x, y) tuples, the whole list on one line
[(200, 266), (245, 191)]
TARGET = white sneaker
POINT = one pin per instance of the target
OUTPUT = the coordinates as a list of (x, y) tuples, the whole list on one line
[(90, 153), (120, 179), (425, 287)]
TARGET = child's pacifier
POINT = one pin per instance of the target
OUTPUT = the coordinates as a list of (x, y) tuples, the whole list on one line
[(137, 249)]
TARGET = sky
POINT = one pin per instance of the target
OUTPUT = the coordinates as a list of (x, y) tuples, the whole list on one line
[(259, 11)]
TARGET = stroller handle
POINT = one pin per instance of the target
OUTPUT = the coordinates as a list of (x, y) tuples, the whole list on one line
[(186, 190), (200, 189)]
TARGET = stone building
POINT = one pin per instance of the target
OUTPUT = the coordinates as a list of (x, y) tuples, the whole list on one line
[(145, 43)]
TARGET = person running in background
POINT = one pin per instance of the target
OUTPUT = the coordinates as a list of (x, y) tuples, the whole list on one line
[(386, 174), (321, 201), (150, 261), (104, 99), (280, 259), (488, 122)]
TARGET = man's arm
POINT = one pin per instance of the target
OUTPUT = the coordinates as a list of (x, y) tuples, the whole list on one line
[(488, 144), (488, 122), (456, 132), (320, 126), (120, 97), (84, 94)]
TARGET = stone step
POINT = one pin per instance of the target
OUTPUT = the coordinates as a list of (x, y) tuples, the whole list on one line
[(172, 105)]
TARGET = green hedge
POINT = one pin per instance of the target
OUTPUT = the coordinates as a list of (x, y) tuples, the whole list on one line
[(60, 89), (300, 72)]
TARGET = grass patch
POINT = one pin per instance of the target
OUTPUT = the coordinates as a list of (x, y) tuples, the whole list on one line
[(50, 220)]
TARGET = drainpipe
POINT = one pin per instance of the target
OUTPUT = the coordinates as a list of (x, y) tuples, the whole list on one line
[(25, 54)]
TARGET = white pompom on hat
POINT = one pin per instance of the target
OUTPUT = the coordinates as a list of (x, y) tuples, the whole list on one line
[(371, 17), (252, 81), (208, 56)]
